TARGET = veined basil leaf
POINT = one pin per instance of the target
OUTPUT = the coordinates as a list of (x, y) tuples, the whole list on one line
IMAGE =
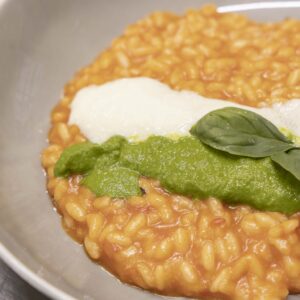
[(240, 132), (289, 160)]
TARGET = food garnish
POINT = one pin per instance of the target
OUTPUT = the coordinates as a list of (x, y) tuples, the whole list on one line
[(231, 157)]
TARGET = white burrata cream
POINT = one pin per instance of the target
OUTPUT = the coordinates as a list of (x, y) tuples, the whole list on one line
[(139, 107)]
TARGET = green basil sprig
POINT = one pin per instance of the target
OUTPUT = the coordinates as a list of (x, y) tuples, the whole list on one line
[(245, 133), (289, 160)]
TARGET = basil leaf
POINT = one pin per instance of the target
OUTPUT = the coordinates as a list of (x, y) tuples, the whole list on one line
[(240, 132), (289, 160)]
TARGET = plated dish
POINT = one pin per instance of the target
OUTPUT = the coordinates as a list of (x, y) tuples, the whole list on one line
[(232, 230)]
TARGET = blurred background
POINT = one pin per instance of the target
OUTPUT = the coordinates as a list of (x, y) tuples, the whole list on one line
[(12, 287)]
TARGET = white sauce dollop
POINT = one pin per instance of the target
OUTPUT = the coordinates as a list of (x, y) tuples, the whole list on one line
[(139, 107)]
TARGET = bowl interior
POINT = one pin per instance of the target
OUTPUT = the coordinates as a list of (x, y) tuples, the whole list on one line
[(42, 44)]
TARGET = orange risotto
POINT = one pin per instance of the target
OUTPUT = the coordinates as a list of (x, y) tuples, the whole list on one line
[(167, 243)]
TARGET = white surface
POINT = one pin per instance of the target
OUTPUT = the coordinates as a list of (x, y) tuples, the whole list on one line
[(260, 5), (142, 106), (32, 278), (42, 44)]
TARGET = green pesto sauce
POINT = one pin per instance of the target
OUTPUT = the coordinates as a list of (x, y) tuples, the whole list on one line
[(187, 167)]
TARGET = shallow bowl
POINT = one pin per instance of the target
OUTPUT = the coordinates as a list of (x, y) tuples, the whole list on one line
[(42, 43)]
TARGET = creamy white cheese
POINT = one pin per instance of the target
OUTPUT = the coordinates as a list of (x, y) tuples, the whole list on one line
[(139, 107)]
